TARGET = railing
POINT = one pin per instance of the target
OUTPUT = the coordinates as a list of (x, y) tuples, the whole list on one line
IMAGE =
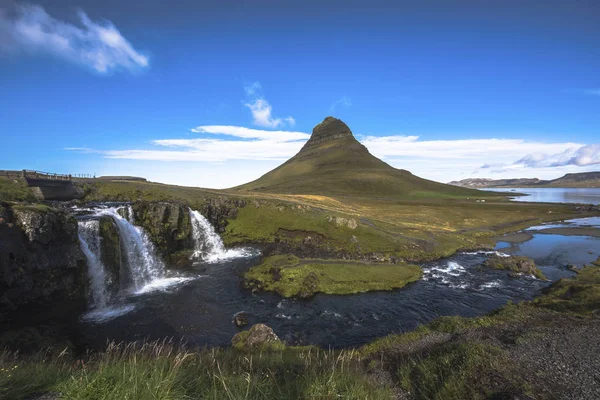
[(11, 174), (28, 174)]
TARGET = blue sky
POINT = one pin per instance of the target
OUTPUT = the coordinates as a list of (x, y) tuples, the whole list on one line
[(215, 94)]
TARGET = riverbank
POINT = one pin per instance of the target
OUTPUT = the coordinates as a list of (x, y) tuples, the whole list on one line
[(543, 349)]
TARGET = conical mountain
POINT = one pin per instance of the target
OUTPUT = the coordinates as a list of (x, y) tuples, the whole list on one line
[(333, 162)]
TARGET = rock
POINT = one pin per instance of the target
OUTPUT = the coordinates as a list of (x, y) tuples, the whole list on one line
[(258, 336), (168, 225), (309, 286), (516, 265), (572, 267), (343, 222), (240, 319), (41, 264)]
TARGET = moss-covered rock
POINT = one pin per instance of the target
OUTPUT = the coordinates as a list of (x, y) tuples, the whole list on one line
[(515, 264), (110, 249), (167, 224), (259, 336)]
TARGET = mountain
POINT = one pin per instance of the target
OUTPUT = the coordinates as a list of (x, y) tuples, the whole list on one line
[(485, 183), (333, 162), (576, 180), (582, 180)]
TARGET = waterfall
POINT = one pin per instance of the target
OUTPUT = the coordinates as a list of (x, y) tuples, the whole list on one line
[(208, 245), (89, 238), (145, 270), (144, 265)]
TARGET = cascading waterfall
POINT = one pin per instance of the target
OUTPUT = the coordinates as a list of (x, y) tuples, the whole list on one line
[(144, 264), (208, 245), (89, 238)]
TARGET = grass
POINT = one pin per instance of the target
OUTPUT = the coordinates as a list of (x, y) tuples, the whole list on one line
[(454, 371), (409, 229), (289, 276), (158, 370), (15, 190), (580, 294)]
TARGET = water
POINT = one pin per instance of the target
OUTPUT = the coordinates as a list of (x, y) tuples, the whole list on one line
[(554, 195), (208, 245), (197, 305), (89, 239), (144, 265), (144, 273)]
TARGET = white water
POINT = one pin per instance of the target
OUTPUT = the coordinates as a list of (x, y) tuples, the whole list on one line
[(89, 238), (146, 270), (144, 265), (208, 245)]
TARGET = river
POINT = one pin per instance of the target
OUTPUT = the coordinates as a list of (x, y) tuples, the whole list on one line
[(197, 305)]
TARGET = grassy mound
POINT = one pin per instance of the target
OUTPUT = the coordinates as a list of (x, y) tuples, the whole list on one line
[(290, 276)]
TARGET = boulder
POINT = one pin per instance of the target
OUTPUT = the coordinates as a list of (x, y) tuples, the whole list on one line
[(258, 336), (240, 319)]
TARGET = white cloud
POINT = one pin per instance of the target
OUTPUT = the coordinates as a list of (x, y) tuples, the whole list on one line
[(255, 144), (99, 46), (252, 88), (344, 101), (257, 151), (582, 156), (262, 112), (247, 133)]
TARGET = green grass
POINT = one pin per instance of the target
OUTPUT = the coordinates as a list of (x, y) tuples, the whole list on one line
[(459, 371), (290, 276), (413, 230), (159, 371), (15, 190), (580, 294)]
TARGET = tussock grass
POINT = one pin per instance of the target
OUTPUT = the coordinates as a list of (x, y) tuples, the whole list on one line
[(159, 370)]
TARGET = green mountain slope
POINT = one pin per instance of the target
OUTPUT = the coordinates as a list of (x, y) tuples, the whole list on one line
[(333, 162)]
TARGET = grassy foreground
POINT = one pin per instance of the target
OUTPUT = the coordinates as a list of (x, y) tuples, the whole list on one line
[(500, 355), (290, 276)]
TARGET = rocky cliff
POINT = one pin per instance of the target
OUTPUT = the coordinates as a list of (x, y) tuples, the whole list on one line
[(41, 265), (169, 227)]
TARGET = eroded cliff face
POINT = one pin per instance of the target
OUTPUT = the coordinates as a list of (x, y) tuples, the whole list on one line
[(219, 210), (41, 264), (169, 226)]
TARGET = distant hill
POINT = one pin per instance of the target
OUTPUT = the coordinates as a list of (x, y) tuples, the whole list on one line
[(333, 162), (485, 183), (577, 180)]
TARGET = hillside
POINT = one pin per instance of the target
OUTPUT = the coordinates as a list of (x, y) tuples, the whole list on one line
[(576, 180), (333, 162)]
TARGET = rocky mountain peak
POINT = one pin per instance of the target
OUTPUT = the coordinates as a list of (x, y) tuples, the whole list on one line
[(331, 128)]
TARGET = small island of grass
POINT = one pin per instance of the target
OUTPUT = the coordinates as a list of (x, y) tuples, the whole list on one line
[(515, 265), (290, 276)]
